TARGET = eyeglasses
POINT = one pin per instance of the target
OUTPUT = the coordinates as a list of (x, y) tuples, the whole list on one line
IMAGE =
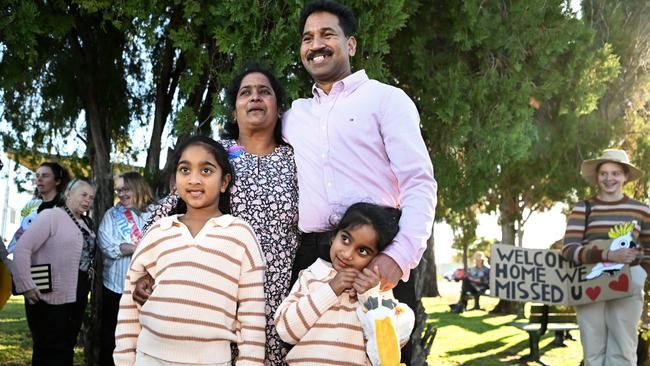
[(123, 190)]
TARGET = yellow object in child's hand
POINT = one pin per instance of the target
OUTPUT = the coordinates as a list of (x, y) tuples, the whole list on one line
[(387, 343)]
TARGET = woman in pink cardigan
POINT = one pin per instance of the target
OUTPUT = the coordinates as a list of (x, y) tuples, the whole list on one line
[(62, 238)]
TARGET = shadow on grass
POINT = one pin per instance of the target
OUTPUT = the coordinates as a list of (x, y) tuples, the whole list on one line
[(477, 338)]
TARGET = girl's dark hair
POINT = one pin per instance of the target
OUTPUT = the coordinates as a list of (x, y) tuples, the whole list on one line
[(384, 219), (231, 129), (347, 20), (220, 155), (61, 174)]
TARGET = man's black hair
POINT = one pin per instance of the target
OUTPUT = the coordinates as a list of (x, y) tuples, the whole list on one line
[(347, 20)]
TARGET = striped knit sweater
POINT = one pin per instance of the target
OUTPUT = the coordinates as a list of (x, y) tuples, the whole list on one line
[(208, 293), (324, 328), (603, 216)]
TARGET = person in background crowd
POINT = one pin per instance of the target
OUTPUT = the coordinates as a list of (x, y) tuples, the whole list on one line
[(608, 329), (475, 282), (50, 180), (62, 238), (119, 233)]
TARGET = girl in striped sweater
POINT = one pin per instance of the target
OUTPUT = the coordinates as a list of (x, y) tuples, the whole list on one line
[(208, 272), (608, 328), (318, 316)]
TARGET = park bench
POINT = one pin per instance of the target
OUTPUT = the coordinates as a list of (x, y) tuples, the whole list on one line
[(545, 318), (468, 295)]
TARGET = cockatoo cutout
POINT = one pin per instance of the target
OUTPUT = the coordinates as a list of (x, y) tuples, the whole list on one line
[(387, 324), (27, 214), (622, 235)]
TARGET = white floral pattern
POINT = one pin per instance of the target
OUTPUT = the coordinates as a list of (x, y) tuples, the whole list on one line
[(265, 194)]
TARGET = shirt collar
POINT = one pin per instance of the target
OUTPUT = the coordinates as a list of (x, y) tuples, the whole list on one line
[(322, 269), (346, 85), (222, 221)]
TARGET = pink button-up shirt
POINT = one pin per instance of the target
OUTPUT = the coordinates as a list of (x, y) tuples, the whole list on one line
[(362, 142)]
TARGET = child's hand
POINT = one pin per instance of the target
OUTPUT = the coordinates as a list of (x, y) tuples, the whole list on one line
[(366, 280), (343, 280)]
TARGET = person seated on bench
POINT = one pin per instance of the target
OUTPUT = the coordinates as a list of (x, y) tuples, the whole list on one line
[(475, 282)]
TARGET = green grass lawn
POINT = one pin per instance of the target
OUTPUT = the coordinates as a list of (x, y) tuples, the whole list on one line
[(478, 338), (15, 341), (473, 338)]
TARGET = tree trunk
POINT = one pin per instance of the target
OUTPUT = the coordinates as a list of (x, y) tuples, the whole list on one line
[(508, 235), (94, 44), (170, 69), (465, 256), (423, 334), (430, 283)]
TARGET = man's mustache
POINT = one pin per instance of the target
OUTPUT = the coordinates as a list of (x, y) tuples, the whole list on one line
[(321, 52)]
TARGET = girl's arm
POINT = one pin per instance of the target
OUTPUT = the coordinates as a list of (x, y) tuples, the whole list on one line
[(301, 309), (128, 318), (251, 313)]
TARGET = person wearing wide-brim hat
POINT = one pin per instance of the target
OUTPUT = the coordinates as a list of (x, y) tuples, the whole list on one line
[(608, 328)]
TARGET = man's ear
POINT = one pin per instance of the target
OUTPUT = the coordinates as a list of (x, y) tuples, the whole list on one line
[(352, 46)]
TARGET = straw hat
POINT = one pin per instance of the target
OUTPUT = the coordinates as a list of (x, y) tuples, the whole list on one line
[(588, 168)]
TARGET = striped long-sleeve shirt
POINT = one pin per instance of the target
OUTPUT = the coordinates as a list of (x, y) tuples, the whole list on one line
[(110, 238), (603, 216), (208, 293), (324, 328)]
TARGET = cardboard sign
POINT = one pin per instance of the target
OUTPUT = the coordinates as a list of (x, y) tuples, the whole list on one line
[(542, 275)]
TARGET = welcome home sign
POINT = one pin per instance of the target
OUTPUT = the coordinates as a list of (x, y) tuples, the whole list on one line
[(543, 275)]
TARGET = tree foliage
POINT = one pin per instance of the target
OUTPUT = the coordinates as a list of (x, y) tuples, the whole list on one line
[(78, 76), (512, 95), (626, 104), (506, 92)]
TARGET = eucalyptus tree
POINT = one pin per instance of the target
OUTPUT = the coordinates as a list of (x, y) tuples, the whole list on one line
[(505, 91), (61, 61), (90, 72)]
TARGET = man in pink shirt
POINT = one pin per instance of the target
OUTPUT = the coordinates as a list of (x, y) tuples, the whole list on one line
[(356, 140)]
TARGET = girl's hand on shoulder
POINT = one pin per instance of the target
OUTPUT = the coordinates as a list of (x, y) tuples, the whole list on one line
[(366, 280), (343, 280)]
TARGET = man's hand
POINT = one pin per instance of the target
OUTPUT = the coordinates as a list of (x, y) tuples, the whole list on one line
[(143, 289), (343, 280), (389, 272), (127, 249), (32, 296)]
